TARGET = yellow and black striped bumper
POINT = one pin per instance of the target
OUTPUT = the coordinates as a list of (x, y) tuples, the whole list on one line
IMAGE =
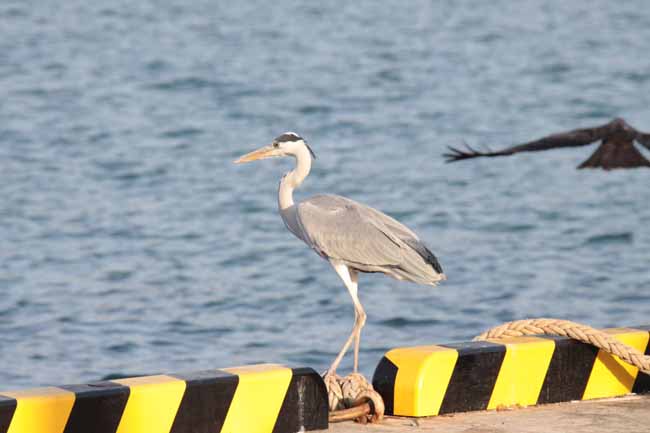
[(433, 380), (260, 398)]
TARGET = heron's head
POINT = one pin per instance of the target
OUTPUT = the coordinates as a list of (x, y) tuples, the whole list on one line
[(287, 144)]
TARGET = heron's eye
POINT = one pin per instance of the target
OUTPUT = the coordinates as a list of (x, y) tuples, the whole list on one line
[(276, 144)]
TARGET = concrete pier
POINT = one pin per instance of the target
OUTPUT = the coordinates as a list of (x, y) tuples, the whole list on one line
[(630, 414)]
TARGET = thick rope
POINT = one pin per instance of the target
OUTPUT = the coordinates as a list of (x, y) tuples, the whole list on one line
[(576, 331), (352, 397)]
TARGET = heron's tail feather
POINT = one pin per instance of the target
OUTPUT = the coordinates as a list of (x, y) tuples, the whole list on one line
[(425, 253), (418, 269)]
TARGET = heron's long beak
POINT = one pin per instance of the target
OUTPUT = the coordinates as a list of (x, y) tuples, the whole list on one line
[(262, 153)]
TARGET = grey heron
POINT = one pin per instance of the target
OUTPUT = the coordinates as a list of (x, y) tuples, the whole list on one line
[(353, 237), (615, 151)]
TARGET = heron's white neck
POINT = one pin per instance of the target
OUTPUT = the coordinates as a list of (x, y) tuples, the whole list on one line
[(294, 178)]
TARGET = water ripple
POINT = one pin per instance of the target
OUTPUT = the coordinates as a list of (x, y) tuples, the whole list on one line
[(611, 238), (185, 84), (400, 322)]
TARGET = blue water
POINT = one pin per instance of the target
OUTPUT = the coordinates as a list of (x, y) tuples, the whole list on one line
[(130, 244)]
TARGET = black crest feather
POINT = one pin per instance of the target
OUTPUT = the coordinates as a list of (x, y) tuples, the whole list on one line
[(287, 136)]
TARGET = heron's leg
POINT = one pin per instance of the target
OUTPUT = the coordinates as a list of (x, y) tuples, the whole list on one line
[(350, 282), (359, 318)]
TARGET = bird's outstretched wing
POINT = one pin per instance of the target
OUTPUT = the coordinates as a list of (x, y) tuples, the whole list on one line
[(577, 137), (643, 139)]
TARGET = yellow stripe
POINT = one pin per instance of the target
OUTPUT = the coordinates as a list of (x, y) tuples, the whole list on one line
[(152, 405), (522, 372), (41, 410), (258, 398), (422, 378), (611, 376)]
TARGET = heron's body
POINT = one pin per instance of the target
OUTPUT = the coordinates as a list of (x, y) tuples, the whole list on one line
[(353, 237), (362, 238)]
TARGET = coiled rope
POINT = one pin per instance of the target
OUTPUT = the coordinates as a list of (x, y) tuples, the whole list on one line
[(352, 397)]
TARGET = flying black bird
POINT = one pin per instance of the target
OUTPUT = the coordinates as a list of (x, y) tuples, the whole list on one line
[(616, 149)]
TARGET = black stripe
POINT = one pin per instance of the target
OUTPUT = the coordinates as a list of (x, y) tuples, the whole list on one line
[(305, 404), (474, 376), (384, 383), (98, 407), (569, 370), (7, 409), (206, 401), (642, 382)]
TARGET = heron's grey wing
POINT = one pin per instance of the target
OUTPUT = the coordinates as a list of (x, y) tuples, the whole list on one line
[(406, 235), (340, 228), (577, 137), (396, 227)]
